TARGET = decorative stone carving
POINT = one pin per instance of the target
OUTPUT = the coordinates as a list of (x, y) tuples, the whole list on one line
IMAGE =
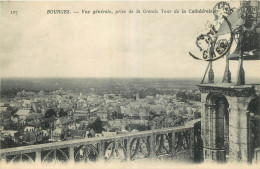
[(229, 91)]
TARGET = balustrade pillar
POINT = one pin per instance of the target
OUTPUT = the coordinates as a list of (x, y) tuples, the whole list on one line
[(71, 154), (38, 157), (128, 149), (101, 150), (173, 145), (153, 146)]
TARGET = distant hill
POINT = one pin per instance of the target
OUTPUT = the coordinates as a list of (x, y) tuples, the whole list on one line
[(81, 83), (38, 84)]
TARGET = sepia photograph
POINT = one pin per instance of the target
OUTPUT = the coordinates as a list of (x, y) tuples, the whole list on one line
[(129, 84)]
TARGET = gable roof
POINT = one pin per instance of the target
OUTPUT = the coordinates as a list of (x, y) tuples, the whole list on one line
[(23, 112)]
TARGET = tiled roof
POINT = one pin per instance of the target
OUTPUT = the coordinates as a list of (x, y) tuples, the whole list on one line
[(23, 112)]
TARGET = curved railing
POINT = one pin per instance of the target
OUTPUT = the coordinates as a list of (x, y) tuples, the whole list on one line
[(170, 143)]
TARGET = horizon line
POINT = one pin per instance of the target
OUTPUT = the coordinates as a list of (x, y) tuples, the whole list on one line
[(96, 77)]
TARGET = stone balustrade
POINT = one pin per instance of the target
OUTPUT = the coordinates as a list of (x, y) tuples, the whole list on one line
[(170, 143)]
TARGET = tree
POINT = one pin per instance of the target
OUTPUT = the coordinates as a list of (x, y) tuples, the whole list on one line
[(50, 113), (153, 114), (114, 115), (63, 113), (120, 115), (3, 144), (12, 110), (194, 97), (182, 95), (9, 141), (96, 126), (49, 118), (143, 128), (6, 117)]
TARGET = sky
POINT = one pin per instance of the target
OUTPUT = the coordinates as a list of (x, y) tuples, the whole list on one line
[(35, 44)]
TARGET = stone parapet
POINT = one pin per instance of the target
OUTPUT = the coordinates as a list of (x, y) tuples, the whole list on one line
[(170, 143)]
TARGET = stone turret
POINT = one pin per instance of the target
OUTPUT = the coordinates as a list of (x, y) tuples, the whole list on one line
[(227, 129), (230, 124)]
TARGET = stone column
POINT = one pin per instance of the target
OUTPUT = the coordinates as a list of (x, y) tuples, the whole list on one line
[(207, 133), (239, 130), (213, 130), (256, 154), (192, 142), (203, 114)]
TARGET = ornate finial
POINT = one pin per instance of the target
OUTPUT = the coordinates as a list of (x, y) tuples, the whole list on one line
[(239, 25)]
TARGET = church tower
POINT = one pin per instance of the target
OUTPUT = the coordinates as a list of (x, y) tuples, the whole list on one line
[(230, 124)]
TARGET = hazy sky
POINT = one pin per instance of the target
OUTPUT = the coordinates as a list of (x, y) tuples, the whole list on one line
[(34, 44)]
